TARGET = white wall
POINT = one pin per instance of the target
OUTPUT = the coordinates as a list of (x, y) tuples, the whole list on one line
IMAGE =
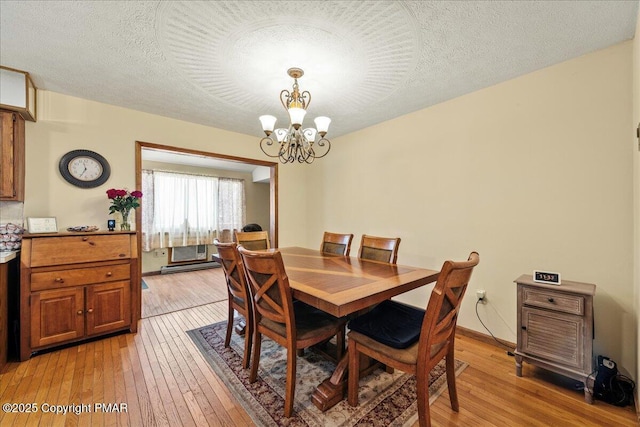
[(535, 172)]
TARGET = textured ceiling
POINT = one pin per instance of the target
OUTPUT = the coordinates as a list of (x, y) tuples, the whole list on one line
[(224, 63)]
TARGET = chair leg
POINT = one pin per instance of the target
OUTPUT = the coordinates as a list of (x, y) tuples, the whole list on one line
[(255, 357), (354, 373), (422, 389), (291, 382), (227, 339), (248, 338), (451, 380)]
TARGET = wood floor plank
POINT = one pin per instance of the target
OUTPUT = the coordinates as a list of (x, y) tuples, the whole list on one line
[(163, 406), (200, 390), (165, 369), (165, 381), (134, 388)]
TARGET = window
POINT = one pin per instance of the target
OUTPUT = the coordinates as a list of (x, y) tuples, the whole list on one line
[(182, 209)]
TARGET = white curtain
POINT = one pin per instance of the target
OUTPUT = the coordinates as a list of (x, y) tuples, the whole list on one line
[(231, 205), (186, 209)]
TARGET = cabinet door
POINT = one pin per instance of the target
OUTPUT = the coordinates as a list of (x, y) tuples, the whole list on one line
[(57, 316), (554, 336), (108, 307), (11, 156)]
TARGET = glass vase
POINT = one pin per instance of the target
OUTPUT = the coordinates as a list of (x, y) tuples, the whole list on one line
[(125, 225)]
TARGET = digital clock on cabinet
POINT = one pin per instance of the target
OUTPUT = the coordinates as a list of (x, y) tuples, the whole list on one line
[(546, 277)]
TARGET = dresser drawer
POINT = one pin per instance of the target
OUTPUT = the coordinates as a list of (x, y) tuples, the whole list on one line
[(79, 276), (557, 301), (77, 249)]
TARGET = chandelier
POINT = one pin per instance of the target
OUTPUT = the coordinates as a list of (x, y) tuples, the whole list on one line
[(295, 143)]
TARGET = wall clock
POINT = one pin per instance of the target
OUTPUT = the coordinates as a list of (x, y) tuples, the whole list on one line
[(84, 168)]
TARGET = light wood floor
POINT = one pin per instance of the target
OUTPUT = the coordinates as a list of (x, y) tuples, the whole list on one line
[(164, 381), (177, 291)]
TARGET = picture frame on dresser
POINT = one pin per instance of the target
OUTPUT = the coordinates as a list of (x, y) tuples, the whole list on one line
[(42, 225)]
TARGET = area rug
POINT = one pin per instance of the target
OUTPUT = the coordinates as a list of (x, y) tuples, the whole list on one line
[(385, 399)]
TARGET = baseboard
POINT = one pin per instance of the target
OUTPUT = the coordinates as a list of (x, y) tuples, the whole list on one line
[(151, 273), (487, 339)]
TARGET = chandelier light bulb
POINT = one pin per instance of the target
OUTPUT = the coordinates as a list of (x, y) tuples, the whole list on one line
[(268, 123), (281, 134), (310, 134), (322, 124), (297, 116)]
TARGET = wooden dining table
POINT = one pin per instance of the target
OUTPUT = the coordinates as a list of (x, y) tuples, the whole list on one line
[(341, 285)]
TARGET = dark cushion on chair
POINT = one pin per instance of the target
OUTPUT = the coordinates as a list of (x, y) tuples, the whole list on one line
[(391, 323)]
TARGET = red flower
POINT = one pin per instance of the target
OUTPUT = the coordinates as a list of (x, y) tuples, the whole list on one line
[(112, 193), (122, 201)]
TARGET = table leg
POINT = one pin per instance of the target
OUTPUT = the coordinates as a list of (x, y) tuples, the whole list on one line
[(332, 390)]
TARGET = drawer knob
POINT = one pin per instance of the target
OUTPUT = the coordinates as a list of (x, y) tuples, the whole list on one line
[(80, 312), (90, 310), (109, 274), (551, 300), (59, 280), (84, 239)]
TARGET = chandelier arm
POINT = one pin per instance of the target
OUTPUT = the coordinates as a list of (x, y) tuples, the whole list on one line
[(285, 98), (322, 143), (306, 99), (268, 141)]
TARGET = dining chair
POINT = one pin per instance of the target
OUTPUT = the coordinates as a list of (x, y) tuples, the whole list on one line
[(384, 249), (292, 324), (253, 240), (239, 294), (414, 340), (335, 243)]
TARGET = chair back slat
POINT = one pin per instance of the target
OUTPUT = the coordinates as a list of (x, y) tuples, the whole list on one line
[(383, 249), (336, 243), (253, 240)]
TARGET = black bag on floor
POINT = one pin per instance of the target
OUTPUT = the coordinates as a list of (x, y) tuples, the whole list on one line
[(610, 386)]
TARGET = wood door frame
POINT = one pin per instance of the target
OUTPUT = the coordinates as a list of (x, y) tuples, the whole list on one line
[(273, 181)]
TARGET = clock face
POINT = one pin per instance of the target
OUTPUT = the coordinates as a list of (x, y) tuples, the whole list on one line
[(84, 168), (546, 277)]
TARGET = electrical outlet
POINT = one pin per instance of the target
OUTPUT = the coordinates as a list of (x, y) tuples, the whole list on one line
[(481, 294), (160, 253)]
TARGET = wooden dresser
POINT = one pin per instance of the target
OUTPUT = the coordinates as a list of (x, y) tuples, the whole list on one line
[(75, 286), (555, 328)]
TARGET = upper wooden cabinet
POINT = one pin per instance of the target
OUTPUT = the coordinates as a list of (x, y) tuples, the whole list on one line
[(11, 156)]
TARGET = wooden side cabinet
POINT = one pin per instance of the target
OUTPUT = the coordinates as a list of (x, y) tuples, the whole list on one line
[(76, 286), (11, 156), (555, 328)]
